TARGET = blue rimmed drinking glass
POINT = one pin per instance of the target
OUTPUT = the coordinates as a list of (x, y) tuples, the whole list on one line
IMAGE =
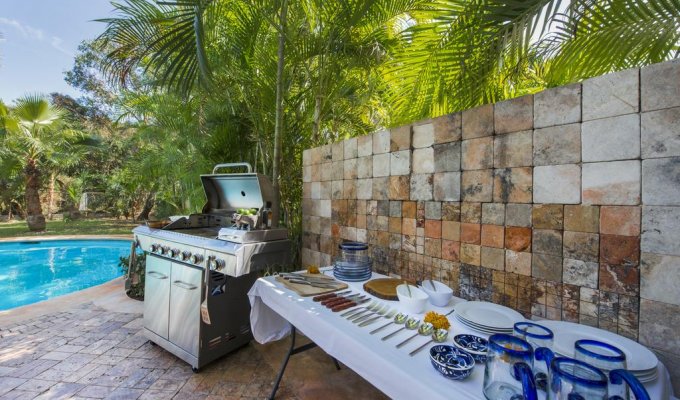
[(603, 356), (508, 375), (537, 336), (575, 380)]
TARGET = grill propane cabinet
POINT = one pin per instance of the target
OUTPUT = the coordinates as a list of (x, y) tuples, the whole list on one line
[(199, 268)]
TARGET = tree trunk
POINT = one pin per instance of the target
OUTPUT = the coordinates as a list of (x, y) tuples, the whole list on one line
[(50, 196), (34, 217), (148, 206), (279, 107), (316, 126)]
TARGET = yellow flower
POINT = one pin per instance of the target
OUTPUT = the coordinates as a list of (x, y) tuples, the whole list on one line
[(439, 321)]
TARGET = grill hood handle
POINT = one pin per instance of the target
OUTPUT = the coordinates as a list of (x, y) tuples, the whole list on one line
[(227, 165)]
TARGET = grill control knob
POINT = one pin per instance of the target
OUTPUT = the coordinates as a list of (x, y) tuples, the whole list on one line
[(165, 250), (174, 253), (186, 255), (155, 247), (216, 264), (196, 259)]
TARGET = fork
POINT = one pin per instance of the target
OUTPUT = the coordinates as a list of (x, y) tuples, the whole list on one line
[(351, 313), (359, 315), (380, 311), (371, 320)]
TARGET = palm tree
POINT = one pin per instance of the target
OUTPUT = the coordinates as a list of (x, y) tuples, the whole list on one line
[(34, 140), (459, 54)]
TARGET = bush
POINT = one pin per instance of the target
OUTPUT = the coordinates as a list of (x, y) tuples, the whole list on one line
[(134, 282)]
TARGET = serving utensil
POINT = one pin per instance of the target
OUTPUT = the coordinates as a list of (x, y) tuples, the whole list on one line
[(312, 284), (345, 306), (359, 315), (289, 275), (411, 323), (339, 299), (398, 319), (330, 295), (349, 313), (344, 300), (371, 320), (439, 336), (380, 311), (424, 329)]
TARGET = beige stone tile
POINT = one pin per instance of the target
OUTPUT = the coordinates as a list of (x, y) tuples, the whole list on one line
[(477, 122)]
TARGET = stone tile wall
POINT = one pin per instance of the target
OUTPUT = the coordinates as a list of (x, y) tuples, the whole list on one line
[(563, 205)]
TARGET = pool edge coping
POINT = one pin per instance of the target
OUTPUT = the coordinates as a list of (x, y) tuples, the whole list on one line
[(109, 295), (66, 237)]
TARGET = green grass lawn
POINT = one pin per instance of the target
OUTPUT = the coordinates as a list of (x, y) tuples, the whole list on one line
[(99, 226)]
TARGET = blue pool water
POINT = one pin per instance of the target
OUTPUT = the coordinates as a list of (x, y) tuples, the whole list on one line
[(36, 271)]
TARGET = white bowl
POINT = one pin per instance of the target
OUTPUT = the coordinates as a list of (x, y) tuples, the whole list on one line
[(439, 297), (415, 303)]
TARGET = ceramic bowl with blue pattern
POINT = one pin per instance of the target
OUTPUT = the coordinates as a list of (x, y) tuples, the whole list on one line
[(475, 345), (451, 361)]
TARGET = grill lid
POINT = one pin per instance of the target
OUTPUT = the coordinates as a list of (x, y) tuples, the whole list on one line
[(225, 193)]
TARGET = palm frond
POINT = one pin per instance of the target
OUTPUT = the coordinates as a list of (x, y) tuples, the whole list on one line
[(598, 37), (166, 39), (452, 53)]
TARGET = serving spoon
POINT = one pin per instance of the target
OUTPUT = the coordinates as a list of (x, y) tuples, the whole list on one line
[(424, 329), (439, 336), (411, 323), (398, 319)]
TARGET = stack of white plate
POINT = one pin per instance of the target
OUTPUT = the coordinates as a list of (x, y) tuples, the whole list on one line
[(640, 361), (487, 317)]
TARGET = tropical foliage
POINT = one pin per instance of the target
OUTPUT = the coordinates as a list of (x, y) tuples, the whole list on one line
[(36, 141), (175, 86)]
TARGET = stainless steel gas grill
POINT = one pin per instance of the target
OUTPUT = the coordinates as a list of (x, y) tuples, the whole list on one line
[(199, 268)]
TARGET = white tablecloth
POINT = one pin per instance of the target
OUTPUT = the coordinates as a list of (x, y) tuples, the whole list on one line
[(392, 370)]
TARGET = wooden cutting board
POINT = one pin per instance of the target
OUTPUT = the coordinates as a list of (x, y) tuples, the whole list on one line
[(383, 288), (306, 290)]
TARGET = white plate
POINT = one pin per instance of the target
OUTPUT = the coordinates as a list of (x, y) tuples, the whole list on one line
[(481, 325), (484, 330), (487, 328), (489, 315), (639, 359)]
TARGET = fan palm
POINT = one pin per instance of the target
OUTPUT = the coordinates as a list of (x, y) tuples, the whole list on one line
[(35, 139)]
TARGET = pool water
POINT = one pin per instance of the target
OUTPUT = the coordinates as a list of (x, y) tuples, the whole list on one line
[(39, 270)]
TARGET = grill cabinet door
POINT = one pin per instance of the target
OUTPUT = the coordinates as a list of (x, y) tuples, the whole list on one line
[(185, 312), (157, 295)]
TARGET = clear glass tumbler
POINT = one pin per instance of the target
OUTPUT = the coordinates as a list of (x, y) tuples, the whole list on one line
[(537, 336), (605, 357), (507, 373), (575, 380)]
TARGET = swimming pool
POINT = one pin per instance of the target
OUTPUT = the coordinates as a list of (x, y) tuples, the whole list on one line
[(33, 271)]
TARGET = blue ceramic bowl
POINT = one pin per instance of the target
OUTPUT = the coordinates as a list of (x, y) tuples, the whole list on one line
[(475, 345), (451, 361)]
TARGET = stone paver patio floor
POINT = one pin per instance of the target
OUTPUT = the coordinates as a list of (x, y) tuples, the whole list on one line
[(89, 352)]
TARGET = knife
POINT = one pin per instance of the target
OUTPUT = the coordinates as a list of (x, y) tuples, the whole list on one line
[(313, 284), (338, 298), (319, 279), (329, 296), (350, 304), (334, 302)]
